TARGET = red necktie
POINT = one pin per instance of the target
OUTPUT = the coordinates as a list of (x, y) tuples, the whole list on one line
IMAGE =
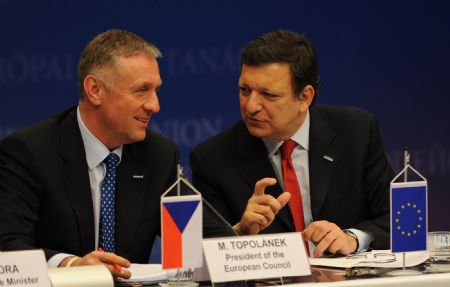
[(291, 184)]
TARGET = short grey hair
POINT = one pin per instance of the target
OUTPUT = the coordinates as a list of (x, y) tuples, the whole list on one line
[(105, 48)]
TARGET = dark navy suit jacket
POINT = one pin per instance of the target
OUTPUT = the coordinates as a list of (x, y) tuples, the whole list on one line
[(45, 194), (352, 190)]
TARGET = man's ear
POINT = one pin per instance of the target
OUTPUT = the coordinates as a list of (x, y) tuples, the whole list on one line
[(306, 97), (93, 90)]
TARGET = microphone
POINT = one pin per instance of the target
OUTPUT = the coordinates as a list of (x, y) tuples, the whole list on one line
[(212, 230), (214, 224)]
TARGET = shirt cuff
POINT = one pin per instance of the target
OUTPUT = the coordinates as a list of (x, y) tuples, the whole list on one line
[(364, 238), (57, 259)]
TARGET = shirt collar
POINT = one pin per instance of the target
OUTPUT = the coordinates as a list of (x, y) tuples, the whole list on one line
[(301, 136), (95, 150)]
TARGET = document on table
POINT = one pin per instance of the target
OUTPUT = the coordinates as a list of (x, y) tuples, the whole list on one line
[(374, 259), (148, 273)]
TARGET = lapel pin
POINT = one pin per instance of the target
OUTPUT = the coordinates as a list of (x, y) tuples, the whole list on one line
[(138, 176), (329, 158)]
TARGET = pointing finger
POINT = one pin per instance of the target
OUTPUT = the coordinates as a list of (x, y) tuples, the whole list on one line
[(261, 185), (283, 199)]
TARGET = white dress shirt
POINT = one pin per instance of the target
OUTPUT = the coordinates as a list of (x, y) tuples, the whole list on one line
[(96, 152)]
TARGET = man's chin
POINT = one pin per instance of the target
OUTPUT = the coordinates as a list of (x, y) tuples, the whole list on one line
[(139, 137), (257, 132)]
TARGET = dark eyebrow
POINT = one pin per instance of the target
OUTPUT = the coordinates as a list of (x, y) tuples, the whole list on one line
[(276, 93)]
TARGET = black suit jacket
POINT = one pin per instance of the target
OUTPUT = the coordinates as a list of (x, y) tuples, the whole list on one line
[(46, 199), (352, 190)]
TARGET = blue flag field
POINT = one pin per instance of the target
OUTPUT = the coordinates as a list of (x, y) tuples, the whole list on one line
[(409, 216)]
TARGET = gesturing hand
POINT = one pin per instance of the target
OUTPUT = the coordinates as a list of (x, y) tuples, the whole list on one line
[(261, 208)]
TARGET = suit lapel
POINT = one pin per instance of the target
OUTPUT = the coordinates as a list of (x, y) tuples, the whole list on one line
[(76, 180), (130, 195), (257, 166), (323, 158)]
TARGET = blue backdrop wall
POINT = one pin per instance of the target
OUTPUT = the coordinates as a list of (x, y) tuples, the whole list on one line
[(389, 57)]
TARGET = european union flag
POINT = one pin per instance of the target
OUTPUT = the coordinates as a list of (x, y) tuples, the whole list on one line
[(409, 216)]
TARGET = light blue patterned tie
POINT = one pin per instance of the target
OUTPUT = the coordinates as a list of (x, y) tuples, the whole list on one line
[(107, 217)]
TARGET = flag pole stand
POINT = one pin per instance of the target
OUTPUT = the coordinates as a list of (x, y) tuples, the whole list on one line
[(183, 278), (184, 274), (404, 271)]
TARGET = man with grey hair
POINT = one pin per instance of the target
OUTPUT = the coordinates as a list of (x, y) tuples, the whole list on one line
[(90, 178)]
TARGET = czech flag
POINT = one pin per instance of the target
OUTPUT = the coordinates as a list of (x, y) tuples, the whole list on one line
[(181, 231)]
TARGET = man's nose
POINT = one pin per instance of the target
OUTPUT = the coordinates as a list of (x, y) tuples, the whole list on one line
[(151, 103), (253, 103)]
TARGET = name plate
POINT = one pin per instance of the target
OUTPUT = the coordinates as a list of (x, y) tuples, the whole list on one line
[(24, 268), (256, 257)]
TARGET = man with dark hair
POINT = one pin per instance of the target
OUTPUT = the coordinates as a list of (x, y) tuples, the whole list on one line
[(91, 177), (327, 162)]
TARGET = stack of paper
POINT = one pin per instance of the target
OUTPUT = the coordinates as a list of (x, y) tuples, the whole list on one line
[(148, 273)]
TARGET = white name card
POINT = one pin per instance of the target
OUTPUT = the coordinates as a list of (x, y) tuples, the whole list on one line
[(24, 268), (256, 257)]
